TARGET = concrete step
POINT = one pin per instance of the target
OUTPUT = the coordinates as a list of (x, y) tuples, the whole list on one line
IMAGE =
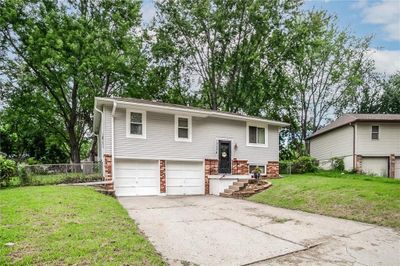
[(227, 190), (226, 195), (235, 188), (239, 184)]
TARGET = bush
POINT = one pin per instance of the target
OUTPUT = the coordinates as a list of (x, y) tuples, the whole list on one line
[(23, 174), (304, 164), (32, 161), (338, 164), (7, 170)]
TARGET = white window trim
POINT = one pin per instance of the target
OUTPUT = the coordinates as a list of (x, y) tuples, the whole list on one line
[(258, 165), (379, 132), (189, 118), (265, 126), (128, 124)]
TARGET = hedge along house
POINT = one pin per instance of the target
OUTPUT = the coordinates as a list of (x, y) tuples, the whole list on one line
[(368, 143), (152, 148)]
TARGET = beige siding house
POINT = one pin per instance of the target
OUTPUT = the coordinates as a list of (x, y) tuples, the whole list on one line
[(151, 148), (368, 143)]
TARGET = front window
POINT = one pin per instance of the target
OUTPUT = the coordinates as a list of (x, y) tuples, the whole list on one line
[(135, 124), (183, 128), (375, 132), (256, 135)]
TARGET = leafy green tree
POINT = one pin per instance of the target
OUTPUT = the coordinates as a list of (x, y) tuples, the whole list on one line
[(390, 103), (229, 54), (63, 54), (327, 67)]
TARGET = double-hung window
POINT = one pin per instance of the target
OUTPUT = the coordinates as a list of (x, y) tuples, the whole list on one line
[(136, 124), (256, 135), (183, 128), (375, 132)]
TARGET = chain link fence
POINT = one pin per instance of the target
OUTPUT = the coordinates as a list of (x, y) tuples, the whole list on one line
[(45, 174)]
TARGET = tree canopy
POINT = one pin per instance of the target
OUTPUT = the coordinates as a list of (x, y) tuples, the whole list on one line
[(266, 58)]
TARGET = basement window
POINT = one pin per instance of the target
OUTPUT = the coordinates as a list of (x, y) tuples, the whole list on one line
[(375, 132), (253, 167)]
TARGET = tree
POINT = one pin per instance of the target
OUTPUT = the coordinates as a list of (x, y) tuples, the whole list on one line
[(64, 53), (390, 103), (231, 54), (326, 68)]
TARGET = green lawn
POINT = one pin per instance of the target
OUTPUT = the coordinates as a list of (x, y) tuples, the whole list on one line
[(357, 197), (69, 225)]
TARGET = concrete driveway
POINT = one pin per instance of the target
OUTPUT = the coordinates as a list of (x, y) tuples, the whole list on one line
[(208, 230)]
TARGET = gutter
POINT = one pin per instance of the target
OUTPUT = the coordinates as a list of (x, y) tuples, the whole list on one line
[(97, 135), (208, 113)]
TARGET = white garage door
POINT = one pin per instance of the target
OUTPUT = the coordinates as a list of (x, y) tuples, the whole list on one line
[(137, 177), (184, 178), (397, 167), (375, 166)]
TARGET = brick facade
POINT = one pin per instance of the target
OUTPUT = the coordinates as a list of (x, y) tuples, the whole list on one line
[(358, 164), (108, 170), (272, 169), (210, 168), (163, 184), (240, 167), (392, 165)]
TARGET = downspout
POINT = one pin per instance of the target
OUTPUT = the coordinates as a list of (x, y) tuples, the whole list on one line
[(112, 139), (354, 146), (97, 136)]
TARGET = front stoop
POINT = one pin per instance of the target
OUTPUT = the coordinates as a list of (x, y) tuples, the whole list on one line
[(245, 188)]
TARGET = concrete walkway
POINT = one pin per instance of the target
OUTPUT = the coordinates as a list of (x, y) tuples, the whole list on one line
[(208, 230)]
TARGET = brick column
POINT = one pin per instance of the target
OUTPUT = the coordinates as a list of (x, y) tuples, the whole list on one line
[(211, 168), (392, 165), (163, 185), (358, 164), (240, 167), (273, 169), (108, 170)]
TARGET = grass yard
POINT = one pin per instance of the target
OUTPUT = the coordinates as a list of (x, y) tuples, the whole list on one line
[(69, 225), (357, 197)]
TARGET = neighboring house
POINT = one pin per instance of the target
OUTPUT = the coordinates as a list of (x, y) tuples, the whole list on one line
[(368, 143), (151, 148)]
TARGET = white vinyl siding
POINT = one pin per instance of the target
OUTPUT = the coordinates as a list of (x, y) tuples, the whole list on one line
[(336, 143), (388, 143), (160, 139)]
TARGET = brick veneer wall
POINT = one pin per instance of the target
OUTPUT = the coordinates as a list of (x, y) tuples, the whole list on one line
[(358, 164), (210, 168), (273, 169), (163, 185), (240, 167), (392, 165), (108, 170)]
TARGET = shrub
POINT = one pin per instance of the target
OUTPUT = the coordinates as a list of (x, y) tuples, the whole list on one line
[(304, 164), (23, 174), (31, 161), (7, 170), (338, 164)]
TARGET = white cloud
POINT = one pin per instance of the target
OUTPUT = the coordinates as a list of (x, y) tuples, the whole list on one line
[(385, 13), (386, 61)]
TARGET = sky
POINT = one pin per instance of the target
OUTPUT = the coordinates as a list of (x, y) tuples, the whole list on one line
[(379, 18)]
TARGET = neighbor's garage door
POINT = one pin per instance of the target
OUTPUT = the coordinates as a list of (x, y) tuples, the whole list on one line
[(375, 166), (184, 178), (137, 177), (397, 167)]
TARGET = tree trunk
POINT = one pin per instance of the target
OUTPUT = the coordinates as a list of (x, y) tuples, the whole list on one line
[(93, 150)]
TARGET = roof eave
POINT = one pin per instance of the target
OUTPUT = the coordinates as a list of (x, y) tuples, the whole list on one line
[(203, 113)]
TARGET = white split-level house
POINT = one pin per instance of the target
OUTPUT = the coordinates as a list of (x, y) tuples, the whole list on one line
[(368, 143), (154, 148)]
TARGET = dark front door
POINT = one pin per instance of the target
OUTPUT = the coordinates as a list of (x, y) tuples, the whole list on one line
[(224, 148)]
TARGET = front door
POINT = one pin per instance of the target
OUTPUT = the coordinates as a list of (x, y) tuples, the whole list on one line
[(224, 156)]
